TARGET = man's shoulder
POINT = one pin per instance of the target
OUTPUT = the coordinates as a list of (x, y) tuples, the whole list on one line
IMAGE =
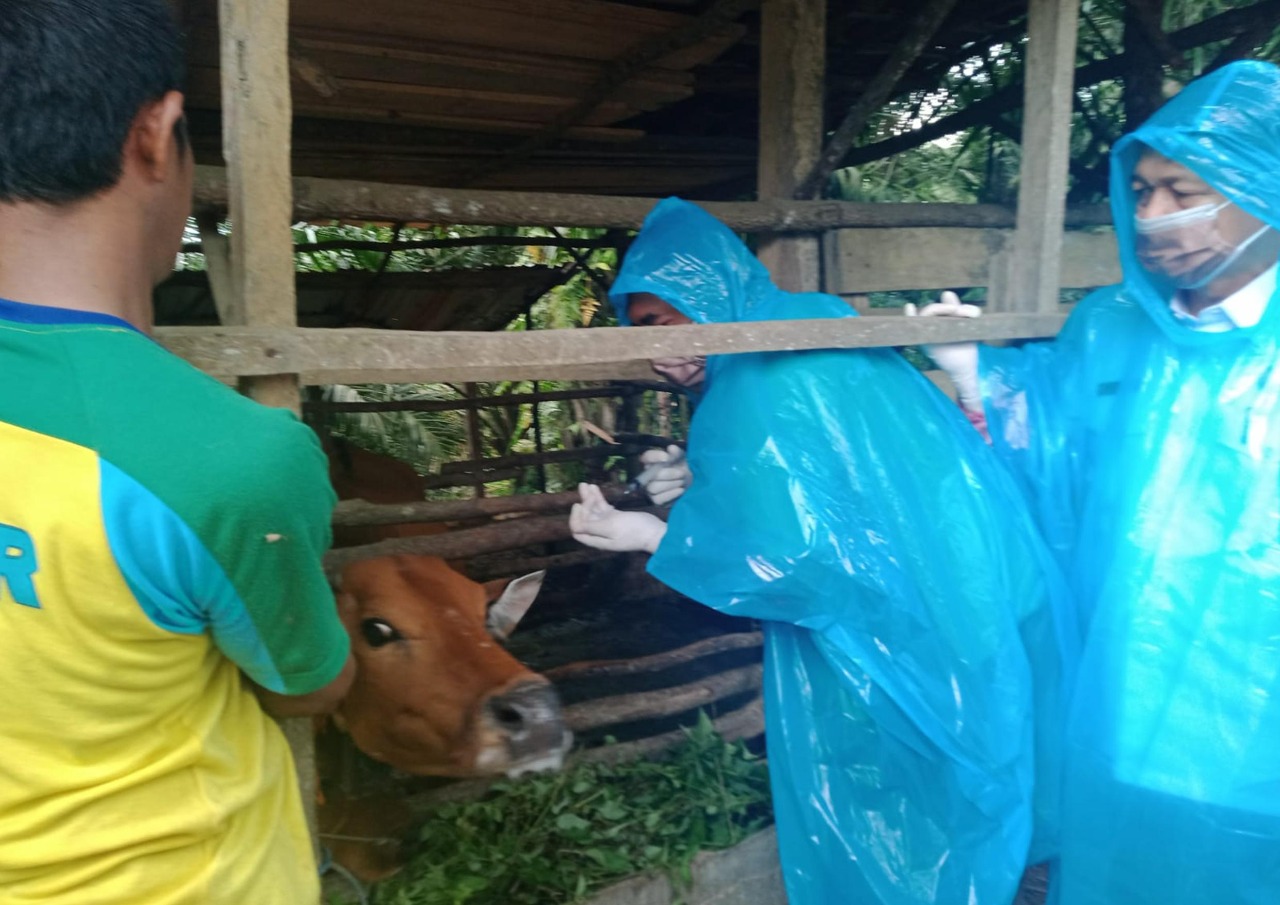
[(170, 426)]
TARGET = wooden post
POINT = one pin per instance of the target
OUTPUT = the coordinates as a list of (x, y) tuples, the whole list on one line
[(475, 440), (1144, 72), (792, 69), (260, 291), (1046, 146)]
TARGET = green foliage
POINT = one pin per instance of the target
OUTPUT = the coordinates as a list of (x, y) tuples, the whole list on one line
[(559, 838), (423, 439)]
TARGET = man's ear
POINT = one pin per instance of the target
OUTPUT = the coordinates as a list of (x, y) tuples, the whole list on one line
[(153, 147)]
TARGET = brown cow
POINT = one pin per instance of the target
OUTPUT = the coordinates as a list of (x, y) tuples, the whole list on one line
[(434, 692)]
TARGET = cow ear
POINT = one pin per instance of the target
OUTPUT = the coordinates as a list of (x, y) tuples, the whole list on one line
[(506, 612)]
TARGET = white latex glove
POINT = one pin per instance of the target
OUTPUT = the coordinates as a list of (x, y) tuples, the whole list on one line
[(666, 474), (958, 360), (598, 524)]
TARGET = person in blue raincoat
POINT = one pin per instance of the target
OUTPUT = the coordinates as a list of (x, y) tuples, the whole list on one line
[(913, 675), (1147, 439)]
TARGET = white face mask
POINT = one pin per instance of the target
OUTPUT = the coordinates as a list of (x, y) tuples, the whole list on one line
[(687, 371), (1175, 245), (1192, 216)]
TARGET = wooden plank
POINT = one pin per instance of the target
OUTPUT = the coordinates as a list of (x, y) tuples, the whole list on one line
[(792, 70), (1046, 147), (327, 199), (392, 59), (256, 120), (397, 100), (637, 58), (865, 260), (583, 29), (323, 355), (255, 143), (216, 249), (927, 21)]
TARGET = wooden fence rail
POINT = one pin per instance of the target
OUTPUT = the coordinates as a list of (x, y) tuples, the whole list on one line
[(398, 356)]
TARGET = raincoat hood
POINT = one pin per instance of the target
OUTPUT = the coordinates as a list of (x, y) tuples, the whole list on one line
[(696, 264), (1225, 127)]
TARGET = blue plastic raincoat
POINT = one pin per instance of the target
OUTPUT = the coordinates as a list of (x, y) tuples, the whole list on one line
[(912, 669), (1151, 455)]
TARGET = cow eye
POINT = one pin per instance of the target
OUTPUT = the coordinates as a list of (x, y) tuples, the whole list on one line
[(378, 632)]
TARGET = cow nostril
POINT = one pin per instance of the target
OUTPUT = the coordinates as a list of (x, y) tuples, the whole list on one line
[(509, 718), (531, 709)]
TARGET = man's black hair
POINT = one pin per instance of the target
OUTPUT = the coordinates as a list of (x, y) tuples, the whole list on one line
[(73, 75)]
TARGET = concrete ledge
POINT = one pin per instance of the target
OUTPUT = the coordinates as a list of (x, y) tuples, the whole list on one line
[(747, 874)]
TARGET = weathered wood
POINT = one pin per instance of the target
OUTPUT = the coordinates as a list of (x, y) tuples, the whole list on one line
[(793, 49), (647, 705), (525, 460), (1227, 24), (357, 512), (256, 117), (415, 245), (1145, 49), (507, 535), (591, 669), (503, 565), (721, 14), (875, 95), (447, 405), (396, 356), (475, 439), (861, 261), (744, 723), (325, 199), (217, 260), (1046, 147), (260, 289)]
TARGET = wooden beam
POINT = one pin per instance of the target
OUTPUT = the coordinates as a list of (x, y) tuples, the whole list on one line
[(887, 260), (1144, 46), (254, 37), (1225, 25), (451, 405), (467, 242), (217, 261), (876, 94), (359, 513), (634, 62), (399, 356), (255, 142), (793, 46), (331, 199), (1046, 148)]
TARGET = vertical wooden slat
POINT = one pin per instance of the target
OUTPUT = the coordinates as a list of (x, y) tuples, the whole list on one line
[(256, 115), (792, 68), (1046, 146), (260, 290), (475, 441)]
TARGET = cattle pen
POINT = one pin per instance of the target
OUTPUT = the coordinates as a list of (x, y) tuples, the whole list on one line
[(567, 115)]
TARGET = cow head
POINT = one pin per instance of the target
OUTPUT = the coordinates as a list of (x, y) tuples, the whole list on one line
[(434, 692)]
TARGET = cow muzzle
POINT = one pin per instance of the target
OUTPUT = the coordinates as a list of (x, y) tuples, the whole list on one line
[(523, 730)]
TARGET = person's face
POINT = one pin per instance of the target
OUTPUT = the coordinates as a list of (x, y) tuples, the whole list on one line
[(1162, 187), (647, 310)]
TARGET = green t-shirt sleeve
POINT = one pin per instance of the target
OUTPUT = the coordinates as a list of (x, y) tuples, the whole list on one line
[(270, 535)]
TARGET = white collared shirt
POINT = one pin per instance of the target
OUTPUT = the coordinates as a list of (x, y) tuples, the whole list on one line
[(1243, 308)]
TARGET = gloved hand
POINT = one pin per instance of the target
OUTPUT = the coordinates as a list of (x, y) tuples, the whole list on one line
[(666, 474), (598, 524), (958, 360)]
